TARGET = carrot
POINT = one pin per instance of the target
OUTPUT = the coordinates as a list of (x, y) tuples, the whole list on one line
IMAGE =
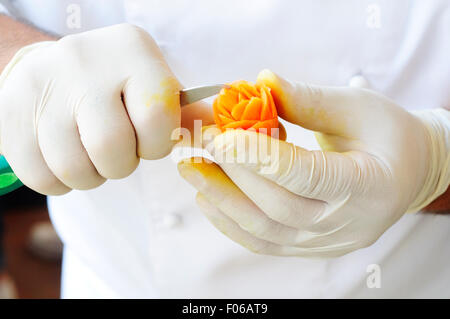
[(244, 105)]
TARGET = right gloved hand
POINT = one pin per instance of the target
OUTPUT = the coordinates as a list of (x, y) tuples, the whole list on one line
[(83, 109)]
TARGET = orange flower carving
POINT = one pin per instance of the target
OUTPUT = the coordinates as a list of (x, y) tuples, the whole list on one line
[(245, 106)]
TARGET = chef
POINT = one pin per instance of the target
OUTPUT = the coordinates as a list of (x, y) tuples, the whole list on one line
[(88, 120)]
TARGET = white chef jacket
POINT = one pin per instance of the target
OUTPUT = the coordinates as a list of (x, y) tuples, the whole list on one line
[(143, 236)]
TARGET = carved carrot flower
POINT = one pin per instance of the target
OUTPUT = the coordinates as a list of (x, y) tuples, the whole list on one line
[(245, 106)]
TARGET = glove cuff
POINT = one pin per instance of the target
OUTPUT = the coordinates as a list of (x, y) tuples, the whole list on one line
[(19, 56), (437, 125)]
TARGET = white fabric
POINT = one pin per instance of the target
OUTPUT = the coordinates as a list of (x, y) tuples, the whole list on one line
[(5, 7), (80, 282), (3, 10), (116, 232)]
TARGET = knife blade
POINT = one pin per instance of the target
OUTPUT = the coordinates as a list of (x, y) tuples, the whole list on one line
[(194, 94)]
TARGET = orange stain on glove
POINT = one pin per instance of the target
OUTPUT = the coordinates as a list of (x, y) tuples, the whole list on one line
[(245, 106)]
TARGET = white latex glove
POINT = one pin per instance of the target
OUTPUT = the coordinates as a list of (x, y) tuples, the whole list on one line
[(83, 109), (378, 162)]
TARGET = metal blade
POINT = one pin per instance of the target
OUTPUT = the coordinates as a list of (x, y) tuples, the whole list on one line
[(191, 95)]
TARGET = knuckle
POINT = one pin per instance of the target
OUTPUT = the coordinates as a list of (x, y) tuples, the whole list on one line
[(114, 170), (47, 184), (89, 183), (76, 175), (156, 153), (67, 55), (134, 32), (118, 134), (157, 141), (121, 172), (113, 156), (103, 143), (67, 46), (129, 27)]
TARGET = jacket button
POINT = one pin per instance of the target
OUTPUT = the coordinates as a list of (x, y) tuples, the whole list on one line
[(171, 220), (358, 81)]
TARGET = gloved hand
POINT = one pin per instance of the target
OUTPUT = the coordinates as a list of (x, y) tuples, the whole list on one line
[(377, 162), (83, 109)]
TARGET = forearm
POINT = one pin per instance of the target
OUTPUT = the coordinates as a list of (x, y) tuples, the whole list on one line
[(441, 204), (14, 35)]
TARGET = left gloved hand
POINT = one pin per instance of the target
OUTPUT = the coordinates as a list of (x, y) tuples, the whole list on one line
[(377, 162)]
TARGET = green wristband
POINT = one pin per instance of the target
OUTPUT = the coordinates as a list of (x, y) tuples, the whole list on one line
[(8, 180)]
